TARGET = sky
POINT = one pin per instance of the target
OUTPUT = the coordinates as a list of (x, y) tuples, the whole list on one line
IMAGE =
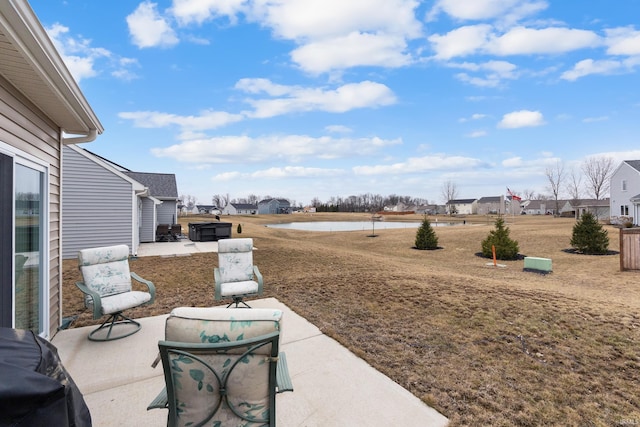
[(305, 99)]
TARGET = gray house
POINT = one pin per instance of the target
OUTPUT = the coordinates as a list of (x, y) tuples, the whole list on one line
[(240, 209), (274, 206), (42, 109), (106, 204), (492, 205)]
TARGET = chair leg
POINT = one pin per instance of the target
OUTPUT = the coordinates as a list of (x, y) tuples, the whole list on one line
[(237, 301), (115, 319)]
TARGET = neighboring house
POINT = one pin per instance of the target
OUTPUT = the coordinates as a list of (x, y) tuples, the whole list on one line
[(240, 209), (599, 208), (537, 207), (462, 206), (163, 187), (208, 209), (398, 207), (427, 209), (42, 109), (105, 204), (493, 205), (274, 206), (624, 188)]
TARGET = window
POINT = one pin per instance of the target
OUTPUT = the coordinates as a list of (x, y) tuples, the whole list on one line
[(624, 210), (25, 283), (624, 185)]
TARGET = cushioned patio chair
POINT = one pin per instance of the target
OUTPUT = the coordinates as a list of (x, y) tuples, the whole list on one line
[(108, 290), (176, 232), (236, 277), (222, 367)]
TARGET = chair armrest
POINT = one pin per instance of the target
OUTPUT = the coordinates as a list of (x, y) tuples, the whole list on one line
[(160, 402), (259, 278), (150, 286), (218, 284), (283, 380), (97, 302)]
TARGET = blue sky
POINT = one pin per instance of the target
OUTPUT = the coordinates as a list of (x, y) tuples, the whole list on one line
[(319, 98)]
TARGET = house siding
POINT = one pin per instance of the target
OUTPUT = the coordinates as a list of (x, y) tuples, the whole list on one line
[(167, 212), (93, 217), (25, 128), (620, 197), (148, 225)]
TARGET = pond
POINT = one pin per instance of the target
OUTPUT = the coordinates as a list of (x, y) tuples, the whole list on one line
[(352, 225)]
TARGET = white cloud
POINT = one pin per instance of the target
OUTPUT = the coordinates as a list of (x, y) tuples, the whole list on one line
[(293, 148), (296, 172), (204, 121), (623, 41), (148, 28), (520, 119), (494, 73), (512, 10), (312, 20), (338, 129), (420, 164), (461, 42), (352, 50), (84, 60), (199, 11), (589, 66), (483, 39), (529, 41), (290, 99)]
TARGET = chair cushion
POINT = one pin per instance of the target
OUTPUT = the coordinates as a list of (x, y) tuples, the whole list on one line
[(246, 287), (235, 245), (103, 255), (105, 270), (217, 324), (119, 302)]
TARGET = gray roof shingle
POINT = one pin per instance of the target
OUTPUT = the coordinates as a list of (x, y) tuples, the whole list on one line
[(161, 185)]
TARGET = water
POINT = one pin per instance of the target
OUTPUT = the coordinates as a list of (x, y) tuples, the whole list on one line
[(351, 225)]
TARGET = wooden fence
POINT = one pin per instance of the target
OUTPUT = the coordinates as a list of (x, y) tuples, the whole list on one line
[(629, 249)]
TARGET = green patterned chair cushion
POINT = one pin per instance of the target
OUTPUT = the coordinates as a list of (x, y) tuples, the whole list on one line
[(198, 375), (105, 270), (235, 259), (216, 324)]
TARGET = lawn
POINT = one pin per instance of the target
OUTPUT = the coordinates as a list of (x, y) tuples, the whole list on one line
[(483, 345)]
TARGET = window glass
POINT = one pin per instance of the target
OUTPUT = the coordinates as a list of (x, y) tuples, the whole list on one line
[(29, 278)]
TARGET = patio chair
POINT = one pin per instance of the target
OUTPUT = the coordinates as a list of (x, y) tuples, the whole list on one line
[(236, 277), (108, 290), (222, 367), (162, 233)]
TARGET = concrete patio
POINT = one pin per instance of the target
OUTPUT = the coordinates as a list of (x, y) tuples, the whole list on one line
[(332, 386)]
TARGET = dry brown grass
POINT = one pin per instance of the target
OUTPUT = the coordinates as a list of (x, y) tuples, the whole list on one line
[(483, 345)]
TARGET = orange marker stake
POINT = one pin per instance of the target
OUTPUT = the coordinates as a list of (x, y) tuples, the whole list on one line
[(493, 249)]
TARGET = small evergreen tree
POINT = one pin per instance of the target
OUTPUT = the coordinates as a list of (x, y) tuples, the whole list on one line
[(425, 237), (239, 229), (506, 248), (588, 236)]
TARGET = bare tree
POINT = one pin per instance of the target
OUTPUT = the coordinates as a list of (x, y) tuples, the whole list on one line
[(188, 200), (555, 175), (574, 187), (597, 171), (449, 192), (528, 194)]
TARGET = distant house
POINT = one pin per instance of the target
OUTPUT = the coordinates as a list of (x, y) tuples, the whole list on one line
[(163, 187), (624, 191), (599, 208), (274, 206), (428, 209), (493, 205), (240, 209), (42, 109), (462, 206), (208, 209)]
